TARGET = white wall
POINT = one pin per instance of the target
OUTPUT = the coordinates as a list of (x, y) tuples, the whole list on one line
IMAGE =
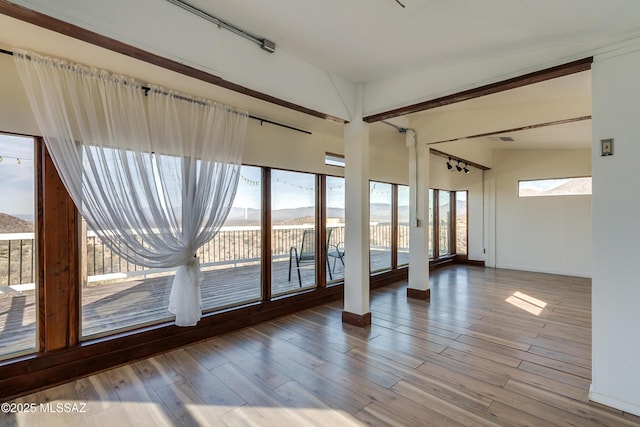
[(15, 112), (546, 234), (616, 234)]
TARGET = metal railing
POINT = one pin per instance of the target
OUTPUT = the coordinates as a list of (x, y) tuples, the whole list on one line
[(17, 259), (231, 246)]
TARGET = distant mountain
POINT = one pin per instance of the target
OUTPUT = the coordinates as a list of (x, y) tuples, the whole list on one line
[(571, 187), (11, 224), (574, 186), (297, 216), (380, 212), (242, 216), (27, 217)]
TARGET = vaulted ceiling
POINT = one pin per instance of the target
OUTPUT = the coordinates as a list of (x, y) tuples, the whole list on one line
[(400, 55), (370, 40)]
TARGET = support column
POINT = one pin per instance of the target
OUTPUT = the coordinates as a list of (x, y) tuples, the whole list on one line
[(356, 277), (419, 222)]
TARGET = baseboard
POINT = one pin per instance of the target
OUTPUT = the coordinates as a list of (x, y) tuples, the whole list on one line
[(361, 320), (423, 294), (631, 408)]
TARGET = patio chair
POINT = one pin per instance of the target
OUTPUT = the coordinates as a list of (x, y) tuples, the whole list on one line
[(307, 252), (335, 251)]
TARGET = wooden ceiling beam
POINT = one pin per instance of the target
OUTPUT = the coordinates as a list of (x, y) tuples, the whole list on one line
[(513, 83)]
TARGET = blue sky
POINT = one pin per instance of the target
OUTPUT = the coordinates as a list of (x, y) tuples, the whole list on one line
[(17, 180), (290, 189), (295, 190), (542, 184)]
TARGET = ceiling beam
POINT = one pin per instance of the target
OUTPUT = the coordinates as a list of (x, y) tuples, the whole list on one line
[(521, 128), (457, 159), (512, 83)]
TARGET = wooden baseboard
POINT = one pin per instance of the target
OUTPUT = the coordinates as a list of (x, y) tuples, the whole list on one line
[(423, 294), (361, 320), (434, 264), (385, 278), (441, 262)]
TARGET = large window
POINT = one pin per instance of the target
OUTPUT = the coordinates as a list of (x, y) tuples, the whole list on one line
[(403, 225), (444, 223), (335, 228), (381, 206), (118, 295), (18, 275), (555, 187), (293, 233), (231, 260), (461, 222), (448, 229), (432, 251)]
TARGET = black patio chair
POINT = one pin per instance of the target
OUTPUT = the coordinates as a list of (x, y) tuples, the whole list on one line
[(335, 251), (306, 253)]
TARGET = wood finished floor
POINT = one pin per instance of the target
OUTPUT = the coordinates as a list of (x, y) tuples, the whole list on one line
[(493, 347)]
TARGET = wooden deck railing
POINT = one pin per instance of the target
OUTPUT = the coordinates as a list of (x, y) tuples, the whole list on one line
[(232, 245), (17, 259)]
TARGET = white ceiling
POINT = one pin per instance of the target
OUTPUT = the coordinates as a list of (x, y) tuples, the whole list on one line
[(368, 40), (574, 89), (567, 136)]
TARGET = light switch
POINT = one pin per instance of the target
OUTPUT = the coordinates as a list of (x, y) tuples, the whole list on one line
[(606, 147)]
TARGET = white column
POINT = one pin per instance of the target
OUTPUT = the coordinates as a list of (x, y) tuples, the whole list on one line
[(418, 217), (356, 277), (615, 289)]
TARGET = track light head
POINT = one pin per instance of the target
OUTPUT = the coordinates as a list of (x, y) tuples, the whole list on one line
[(466, 168), (449, 166), (458, 167)]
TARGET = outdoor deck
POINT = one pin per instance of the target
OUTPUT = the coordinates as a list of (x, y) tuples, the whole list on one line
[(115, 306)]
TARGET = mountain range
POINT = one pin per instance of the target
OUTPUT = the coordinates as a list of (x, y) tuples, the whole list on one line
[(12, 224)]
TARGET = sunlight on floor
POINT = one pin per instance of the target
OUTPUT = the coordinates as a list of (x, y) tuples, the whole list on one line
[(176, 409), (262, 415), (63, 412), (527, 303)]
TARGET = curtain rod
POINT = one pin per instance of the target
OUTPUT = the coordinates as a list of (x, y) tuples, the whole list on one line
[(260, 119)]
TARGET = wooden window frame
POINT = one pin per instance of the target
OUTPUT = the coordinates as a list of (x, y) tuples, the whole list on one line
[(438, 259)]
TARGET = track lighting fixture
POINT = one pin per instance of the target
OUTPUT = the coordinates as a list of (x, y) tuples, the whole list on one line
[(461, 165)]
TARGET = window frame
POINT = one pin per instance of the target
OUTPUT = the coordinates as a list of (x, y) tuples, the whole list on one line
[(434, 236), (533, 196), (36, 276)]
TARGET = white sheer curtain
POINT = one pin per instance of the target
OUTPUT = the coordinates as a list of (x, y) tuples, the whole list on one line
[(153, 172)]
